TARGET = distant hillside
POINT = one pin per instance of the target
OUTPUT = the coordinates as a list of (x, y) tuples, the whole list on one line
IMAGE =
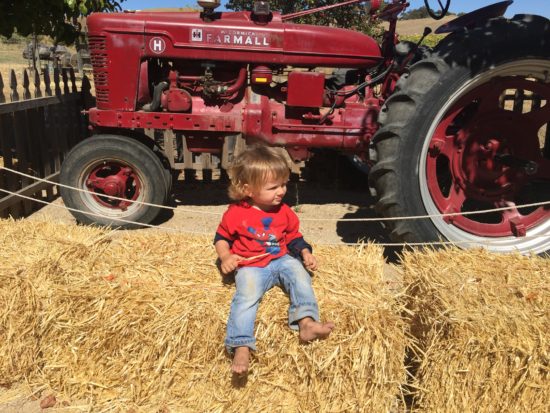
[(416, 26)]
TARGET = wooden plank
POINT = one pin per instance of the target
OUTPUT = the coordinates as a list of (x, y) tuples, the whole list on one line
[(26, 85), (88, 100), (47, 83), (30, 190), (169, 146), (2, 96), (21, 134), (14, 95), (74, 89), (8, 150), (519, 98), (78, 132), (63, 131), (3, 213), (52, 135), (6, 122), (56, 81), (37, 84), (537, 105), (65, 81), (48, 141), (36, 142), (43, 149)]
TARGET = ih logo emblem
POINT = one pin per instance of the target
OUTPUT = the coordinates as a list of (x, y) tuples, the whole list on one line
[(196, 35), (157, 45)]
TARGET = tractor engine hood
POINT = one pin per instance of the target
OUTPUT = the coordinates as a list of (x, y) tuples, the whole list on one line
[(234, 36)]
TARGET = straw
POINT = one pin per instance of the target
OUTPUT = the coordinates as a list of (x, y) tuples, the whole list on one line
[(136, 320), (481, 327)]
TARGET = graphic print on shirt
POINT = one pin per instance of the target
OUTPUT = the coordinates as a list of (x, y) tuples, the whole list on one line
[(267, 240)]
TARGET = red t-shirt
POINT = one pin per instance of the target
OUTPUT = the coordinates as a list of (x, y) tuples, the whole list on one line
[(256, 232)]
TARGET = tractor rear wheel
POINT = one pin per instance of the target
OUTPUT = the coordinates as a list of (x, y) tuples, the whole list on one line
[(467, 130), (117, 166)]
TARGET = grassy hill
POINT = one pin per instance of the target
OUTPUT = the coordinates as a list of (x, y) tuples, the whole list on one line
[(416, 26)]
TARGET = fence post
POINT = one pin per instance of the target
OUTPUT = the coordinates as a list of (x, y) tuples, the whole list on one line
[(56, 81), (14, 95), (37, 91), (65, 81), (2, 97), (47, 81), (73, 81), (85, 90), (26, 84)]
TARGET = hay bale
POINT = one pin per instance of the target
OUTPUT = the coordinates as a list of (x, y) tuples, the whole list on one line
[(482, 328), (137, 320), (19, 344), (23, 246)]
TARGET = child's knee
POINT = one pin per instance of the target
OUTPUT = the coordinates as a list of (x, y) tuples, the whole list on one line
[(249, 285), (302, 279)]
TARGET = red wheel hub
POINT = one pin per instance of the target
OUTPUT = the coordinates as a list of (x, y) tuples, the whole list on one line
[(113, 179), (484, 155)]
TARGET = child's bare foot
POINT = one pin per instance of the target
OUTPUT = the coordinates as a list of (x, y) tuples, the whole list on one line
[(312, 330), (240, 360)]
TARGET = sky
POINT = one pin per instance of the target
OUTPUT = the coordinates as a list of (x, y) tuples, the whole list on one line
[(541, 7)]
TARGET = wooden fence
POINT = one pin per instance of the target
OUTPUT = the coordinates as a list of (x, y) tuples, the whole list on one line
[(36, 131)]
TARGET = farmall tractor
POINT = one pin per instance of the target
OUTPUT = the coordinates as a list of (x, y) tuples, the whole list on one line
[(446, 132)]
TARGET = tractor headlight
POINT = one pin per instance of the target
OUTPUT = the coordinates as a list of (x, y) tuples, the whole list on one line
[(261, 8)]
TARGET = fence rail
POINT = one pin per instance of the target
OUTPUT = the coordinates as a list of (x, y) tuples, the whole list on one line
[(37, 129)]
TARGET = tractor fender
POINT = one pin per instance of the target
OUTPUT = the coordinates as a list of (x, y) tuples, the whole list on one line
[(475, 18)]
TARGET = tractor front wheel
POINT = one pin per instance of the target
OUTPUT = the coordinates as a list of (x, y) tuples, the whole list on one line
[(103, 167), (467, 130)]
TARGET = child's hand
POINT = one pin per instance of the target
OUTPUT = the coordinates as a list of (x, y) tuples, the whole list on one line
[(310, 262), (230, 263)]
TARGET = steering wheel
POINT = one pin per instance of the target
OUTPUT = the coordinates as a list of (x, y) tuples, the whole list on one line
[(438, 13)]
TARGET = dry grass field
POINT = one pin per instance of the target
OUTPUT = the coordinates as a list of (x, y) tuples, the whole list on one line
[(11, 57), (416, 26)]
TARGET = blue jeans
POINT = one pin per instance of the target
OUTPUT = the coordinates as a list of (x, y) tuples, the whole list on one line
[(253, 282)]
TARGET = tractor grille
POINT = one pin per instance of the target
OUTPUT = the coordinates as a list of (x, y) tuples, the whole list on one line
[(99, 58)]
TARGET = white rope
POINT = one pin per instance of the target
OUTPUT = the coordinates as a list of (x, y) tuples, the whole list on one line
[(105, 195), (179, 230), (450, 214), (381, 219), (99, 215)]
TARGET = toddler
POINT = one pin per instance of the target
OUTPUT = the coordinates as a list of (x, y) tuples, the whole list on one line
[(259, 238)]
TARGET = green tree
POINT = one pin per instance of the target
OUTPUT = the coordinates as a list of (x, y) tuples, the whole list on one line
[(350, 17), (55, 18), (420, 13)]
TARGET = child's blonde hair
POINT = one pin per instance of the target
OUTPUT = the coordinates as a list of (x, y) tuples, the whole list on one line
[(254, 167)]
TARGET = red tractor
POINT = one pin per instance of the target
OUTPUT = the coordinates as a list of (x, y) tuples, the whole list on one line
[(446, 132)]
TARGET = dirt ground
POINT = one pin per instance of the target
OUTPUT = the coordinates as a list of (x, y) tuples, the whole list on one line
[(198, 207)]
